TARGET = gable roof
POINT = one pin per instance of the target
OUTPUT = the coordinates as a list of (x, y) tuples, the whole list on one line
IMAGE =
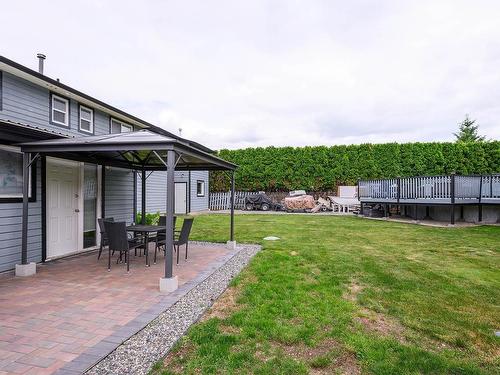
[(35, 77)]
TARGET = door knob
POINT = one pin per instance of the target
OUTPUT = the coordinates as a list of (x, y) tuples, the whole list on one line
[(77, 210)]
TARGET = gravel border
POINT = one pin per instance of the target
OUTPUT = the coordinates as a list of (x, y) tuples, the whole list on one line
[(174, 315)]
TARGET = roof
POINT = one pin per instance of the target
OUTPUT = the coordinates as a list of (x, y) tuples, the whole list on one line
[(139, 150), (56, 86), (15, 132)]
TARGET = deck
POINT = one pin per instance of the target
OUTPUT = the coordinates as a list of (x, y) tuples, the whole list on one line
[(432, 190)]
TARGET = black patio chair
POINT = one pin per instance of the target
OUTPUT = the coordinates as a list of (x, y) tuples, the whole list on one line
[(182, 239), (119, 241), (160, 235), (104, 237)]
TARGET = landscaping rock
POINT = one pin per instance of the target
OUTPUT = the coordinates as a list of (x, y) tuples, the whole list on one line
[(140, 352)]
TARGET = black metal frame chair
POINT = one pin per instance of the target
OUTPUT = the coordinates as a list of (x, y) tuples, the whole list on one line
[(119, 241), (104, 236), (160, 236), (182, 239)]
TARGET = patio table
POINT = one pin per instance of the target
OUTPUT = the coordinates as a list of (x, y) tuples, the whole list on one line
[(146, 230)]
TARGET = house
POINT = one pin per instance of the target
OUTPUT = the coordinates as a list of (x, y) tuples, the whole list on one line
[(67, 192)]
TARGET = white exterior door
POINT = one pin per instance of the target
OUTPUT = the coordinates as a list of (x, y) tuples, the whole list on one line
[(181, 198), (63, 191)]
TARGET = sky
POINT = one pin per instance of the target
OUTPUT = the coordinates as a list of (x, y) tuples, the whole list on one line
[(235, 74)]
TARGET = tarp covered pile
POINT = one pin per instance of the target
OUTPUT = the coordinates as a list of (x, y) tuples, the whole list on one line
[(302, 202)]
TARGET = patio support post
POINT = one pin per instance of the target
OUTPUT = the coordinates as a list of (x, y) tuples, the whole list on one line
[(480, 206), (361, 208), (24, 243), (169, 283), (452, 196), (143, 197), (25, 269), (398, 193), (232, 243)]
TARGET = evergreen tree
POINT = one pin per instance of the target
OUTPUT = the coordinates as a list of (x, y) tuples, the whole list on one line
[(468, 131)]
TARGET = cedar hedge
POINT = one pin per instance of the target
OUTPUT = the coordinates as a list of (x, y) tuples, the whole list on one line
[(322, 168)]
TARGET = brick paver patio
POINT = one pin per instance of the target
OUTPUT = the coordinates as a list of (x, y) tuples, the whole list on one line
[(72, 304)]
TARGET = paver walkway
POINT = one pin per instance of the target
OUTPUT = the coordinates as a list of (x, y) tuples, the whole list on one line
[(72, 304)]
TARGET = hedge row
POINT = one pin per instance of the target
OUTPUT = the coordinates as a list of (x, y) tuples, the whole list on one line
[(323, 168)]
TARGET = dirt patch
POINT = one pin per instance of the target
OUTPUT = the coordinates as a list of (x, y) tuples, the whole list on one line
[(306, 353), (345, 364), (224, 306), (381, 324), (173, 361), (315, 271), (353, 291), (373, 321), (229, 330), (327, 357)]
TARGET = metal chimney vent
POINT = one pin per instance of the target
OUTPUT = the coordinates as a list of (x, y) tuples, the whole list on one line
[(41, 58)]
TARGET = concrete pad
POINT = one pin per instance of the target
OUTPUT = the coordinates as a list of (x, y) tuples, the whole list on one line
[(168, 285), (24, 270), (231, 245)]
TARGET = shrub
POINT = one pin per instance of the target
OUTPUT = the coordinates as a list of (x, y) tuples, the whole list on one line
[(151, 218), (323, 168)]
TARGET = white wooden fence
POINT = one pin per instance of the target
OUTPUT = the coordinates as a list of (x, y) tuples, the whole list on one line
[(222, 200)]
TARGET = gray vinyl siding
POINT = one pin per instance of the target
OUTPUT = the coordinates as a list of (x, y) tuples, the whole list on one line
[(28, 103), (199, 203), (11, 228), (119, 194), (156, 190), (24, 101)]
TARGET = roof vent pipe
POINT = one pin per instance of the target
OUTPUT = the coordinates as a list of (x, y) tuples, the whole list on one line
[(41, 57)]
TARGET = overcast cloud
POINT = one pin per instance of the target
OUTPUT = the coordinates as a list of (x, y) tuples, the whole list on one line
[(256, 73)]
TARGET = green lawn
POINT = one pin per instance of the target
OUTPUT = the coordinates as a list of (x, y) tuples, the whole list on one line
[(350, 295)]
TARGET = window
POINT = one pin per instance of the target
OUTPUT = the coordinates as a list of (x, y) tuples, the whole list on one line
[(11, 175), (120, 127), (86, 120), (200, 188), (59, 111)]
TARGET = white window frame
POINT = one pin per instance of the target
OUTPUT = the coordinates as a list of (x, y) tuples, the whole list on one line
[(66, 114), (17, 150), (91, 131), (202, 182), (123, 125)]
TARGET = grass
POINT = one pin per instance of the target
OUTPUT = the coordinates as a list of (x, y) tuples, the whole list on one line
[(347, 295)]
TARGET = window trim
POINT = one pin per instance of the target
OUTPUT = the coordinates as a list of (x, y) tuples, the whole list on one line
[(52, 109), (122, 125), (32, 192), (92, 119), (203, 184)]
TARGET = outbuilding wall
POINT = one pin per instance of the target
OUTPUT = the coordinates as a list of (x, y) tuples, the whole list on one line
[(156, 191)]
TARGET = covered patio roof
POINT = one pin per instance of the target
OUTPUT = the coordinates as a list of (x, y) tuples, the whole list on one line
[(142, 150)]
